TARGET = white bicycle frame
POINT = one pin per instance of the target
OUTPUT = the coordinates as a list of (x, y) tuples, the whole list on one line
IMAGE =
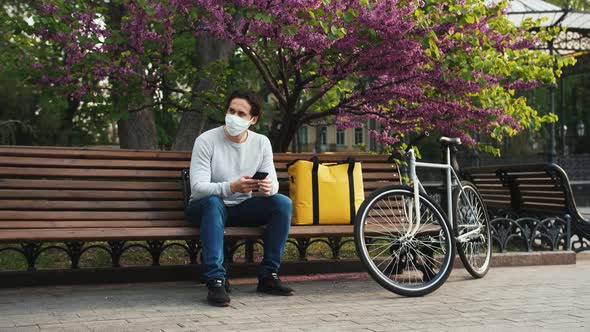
[(450, 175)]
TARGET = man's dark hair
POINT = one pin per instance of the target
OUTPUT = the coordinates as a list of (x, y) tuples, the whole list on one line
[(252, 97)]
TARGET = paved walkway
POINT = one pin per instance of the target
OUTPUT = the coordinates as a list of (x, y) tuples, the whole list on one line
[(521, 298)]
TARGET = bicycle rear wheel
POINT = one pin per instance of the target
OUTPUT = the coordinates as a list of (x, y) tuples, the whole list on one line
[(471, 225), (407, 257)]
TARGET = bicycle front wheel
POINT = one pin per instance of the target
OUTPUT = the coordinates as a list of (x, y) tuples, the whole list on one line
[(407, 253), (472, 230)]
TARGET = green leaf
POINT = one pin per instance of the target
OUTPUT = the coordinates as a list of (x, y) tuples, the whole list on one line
[(434, 48)]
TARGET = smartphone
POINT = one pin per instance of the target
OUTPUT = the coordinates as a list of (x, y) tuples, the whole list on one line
[(260, 175)]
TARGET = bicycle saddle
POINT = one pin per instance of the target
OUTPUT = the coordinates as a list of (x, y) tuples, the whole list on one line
[(450, 140)]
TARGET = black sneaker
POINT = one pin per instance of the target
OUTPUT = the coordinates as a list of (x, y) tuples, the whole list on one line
[(217, 295), (273, 285), (227, 286)]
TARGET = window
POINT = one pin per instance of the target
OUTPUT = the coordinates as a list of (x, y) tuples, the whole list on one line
[(359, 137), (303, 135), (324, 135), (340, 137)]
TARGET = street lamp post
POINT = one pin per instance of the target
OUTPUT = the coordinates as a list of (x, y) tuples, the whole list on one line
[(565, 149), (552, 149), (579, 132), (580, 128)]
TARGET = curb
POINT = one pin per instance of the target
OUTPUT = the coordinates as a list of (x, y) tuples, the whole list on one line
[(508, 259), (534, 258)]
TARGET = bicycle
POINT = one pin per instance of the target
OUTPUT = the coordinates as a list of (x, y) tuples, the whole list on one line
[(405, 239)]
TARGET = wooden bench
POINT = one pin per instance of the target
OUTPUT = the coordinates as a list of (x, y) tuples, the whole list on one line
[(77, 196), (531, 202)]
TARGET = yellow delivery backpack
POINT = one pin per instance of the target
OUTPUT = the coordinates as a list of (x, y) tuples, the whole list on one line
[(325, 193)]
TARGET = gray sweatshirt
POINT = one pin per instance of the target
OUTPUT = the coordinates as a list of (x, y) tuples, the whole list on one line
[(216, 161)]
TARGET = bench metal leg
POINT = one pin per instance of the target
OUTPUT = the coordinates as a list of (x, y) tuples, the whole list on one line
[(75, 251), (249, 251), (156, 248), (116, 252), (31, 252)]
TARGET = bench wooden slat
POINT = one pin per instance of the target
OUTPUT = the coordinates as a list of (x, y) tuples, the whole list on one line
[(536, 191), (489, 185), (157, 233), (544, 205), (25, 224), (548, 186), (103, 234), (497, 202), (87, 173), (487, 181), (91, 153), (535, 181), (499, 191), (540, 197), (372, 185), (87, 185), (90, 205), (90, 215), (86, 195), (486, 195), (95, 163)]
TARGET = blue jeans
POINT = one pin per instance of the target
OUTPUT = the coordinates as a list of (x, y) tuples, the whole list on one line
[(211, 215)]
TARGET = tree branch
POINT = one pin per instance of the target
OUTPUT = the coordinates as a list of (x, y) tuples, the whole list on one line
[(265, 72), (163, 103), (319, 115), (283, 72), (318, 96)]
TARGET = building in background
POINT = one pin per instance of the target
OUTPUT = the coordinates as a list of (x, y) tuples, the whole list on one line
[(328, 138)]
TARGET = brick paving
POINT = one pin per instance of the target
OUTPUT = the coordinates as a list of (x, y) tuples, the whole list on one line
[(511, 298)]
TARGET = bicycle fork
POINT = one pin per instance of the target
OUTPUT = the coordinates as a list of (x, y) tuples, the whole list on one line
[(413, 229)]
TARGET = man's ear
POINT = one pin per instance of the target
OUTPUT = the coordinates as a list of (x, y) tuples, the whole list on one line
[(254, 120)]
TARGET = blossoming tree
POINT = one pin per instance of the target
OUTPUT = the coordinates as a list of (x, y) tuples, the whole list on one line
[(411, 65)]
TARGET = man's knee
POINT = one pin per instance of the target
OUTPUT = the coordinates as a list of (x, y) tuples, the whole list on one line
[(213, 209), (206, 208), (213, 202), (282, 203)]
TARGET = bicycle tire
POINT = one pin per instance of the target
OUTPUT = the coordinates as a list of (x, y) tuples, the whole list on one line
[(476, 252), (419, 263)]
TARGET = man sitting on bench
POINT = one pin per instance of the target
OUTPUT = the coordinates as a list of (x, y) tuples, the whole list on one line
[(223, 164)]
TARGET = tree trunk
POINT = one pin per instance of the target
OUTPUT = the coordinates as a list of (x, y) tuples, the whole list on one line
[(192, 124), (318, 139), (66, 135), (281, 136), (138, 131)]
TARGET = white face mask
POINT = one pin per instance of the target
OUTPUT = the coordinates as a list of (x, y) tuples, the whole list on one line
[(236, 125)]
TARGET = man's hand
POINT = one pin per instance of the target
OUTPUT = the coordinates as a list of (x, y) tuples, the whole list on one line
[(265, 186), (245, 184)]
